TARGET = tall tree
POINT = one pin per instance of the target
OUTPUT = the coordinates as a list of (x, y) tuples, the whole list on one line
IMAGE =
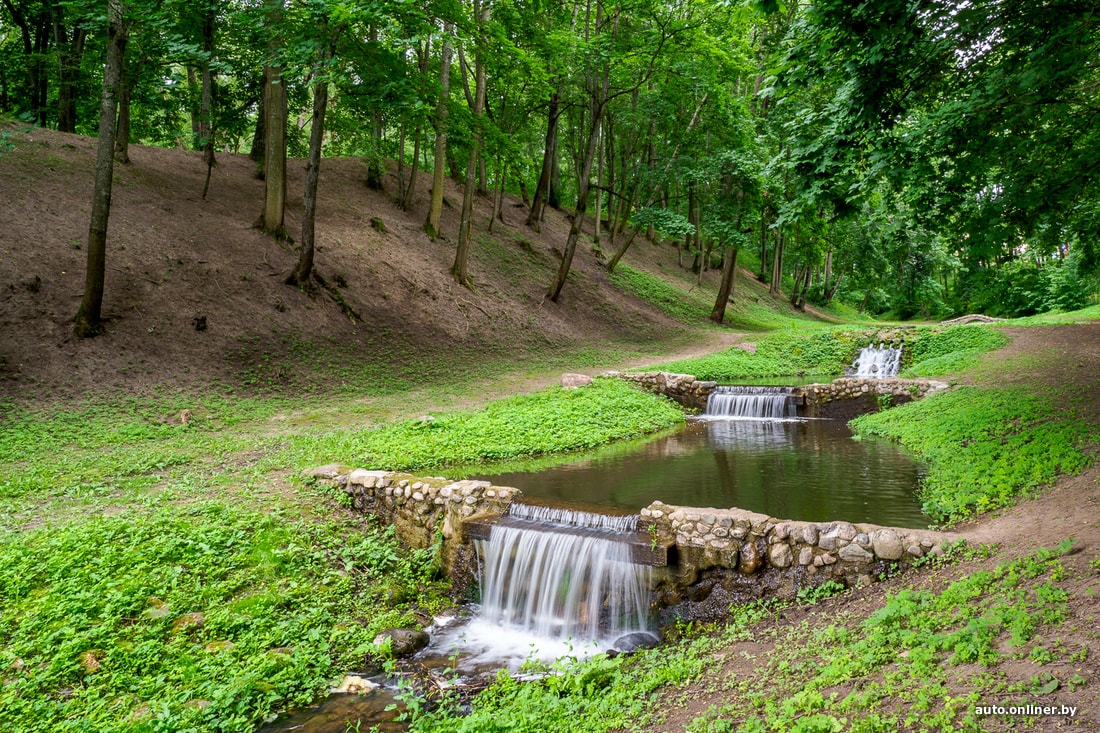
[(466, 222), (89, 316), (435, 208), (272, 218)]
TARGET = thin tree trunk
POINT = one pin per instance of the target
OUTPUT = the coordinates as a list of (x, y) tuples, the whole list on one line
[(725, 290), (411, 190), (275, 111), (466, 221), (542, 188), (777, 264), (304, 269), (401, 164), (582, 193), (70, 51), (206, 107), (435, 209), (122, 132), (599, 185), (630, 240), (89, 315), (256, 152)]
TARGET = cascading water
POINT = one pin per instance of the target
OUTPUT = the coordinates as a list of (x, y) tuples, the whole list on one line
[(767, 403), (881, 362), (563, 575)]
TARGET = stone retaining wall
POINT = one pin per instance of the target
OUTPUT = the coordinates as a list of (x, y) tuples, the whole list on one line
[(716, 556), (683, 388), (729, 555), (842, 398), (848, 397)]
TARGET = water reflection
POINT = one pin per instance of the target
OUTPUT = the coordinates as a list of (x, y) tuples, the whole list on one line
[(798, 469)]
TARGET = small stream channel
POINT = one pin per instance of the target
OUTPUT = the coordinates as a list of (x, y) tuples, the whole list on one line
[(812, 470)]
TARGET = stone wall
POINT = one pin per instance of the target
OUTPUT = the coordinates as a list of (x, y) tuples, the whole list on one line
[(842, 398), (714, 556), (420, 507), (728, 555), (683, 388), (849, 397)]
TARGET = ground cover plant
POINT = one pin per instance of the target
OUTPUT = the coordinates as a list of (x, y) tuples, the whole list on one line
[(205, 617), (986, 446)]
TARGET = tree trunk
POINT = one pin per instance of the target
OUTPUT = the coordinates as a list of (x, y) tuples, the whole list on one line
[(122, 132), (725, 290), (542, 188), (777, 264), (435, 209), (70, 52), (582, 192), (498, 197), (275, 118), (597, 225), (763, 242), (88, 317), (206, 106), (411, 190), (256, 151), (466, 222), (304, 269)]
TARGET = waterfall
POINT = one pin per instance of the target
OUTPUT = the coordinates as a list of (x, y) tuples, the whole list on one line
[(756, 402), (881, 362), (562, 575)]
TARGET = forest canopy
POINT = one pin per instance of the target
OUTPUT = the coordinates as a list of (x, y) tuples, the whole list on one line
[(920, 158)]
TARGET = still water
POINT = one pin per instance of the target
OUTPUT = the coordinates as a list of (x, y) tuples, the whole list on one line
[(810, 470)]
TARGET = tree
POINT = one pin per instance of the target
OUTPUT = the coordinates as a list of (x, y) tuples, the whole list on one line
[(89, 316), (435, 208), (466, 222), (275, 110)]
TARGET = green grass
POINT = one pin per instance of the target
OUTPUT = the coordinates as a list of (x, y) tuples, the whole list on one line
[(985, 447), (1089, 314), (893, 670), (550, 421), (99, 628), (780, 354)]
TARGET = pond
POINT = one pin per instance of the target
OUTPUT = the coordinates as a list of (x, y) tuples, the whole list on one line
[(811, 470)]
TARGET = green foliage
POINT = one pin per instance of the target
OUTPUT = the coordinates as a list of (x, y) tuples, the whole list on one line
[(781, 354), (936, 352), (550, 421), (985, 446), (901, 665), (130, 622), (1022, 287), (688, 307), (813, 593)]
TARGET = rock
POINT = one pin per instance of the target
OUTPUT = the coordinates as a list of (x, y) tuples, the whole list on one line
[(193, 620), (215, 647), (157, 608), (572, 381), (855, 553), (750, 559), (779, 556), (629, 643), (353, 683), (805, 556), (403, 642), (185, 417), (91, 660), (887, 544), (746, 346), (914, 550), (809, 534)]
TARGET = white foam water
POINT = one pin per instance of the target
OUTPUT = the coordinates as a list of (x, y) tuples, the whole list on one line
[(879, 362), (761, 403)]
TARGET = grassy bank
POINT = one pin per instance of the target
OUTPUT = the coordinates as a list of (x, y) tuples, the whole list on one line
[(160, 576)]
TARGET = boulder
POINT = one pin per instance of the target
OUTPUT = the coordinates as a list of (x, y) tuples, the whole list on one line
[(572, 381), (629, 643), (403, 642), (887, 544)]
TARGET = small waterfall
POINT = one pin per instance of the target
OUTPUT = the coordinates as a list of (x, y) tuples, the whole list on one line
[(876, 362), (562, 575), (758, 402)]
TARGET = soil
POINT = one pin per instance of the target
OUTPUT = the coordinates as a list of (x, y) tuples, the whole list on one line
[(176, 263)]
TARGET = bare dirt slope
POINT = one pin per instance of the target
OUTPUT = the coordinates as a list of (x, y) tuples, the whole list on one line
[(173, 257)]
